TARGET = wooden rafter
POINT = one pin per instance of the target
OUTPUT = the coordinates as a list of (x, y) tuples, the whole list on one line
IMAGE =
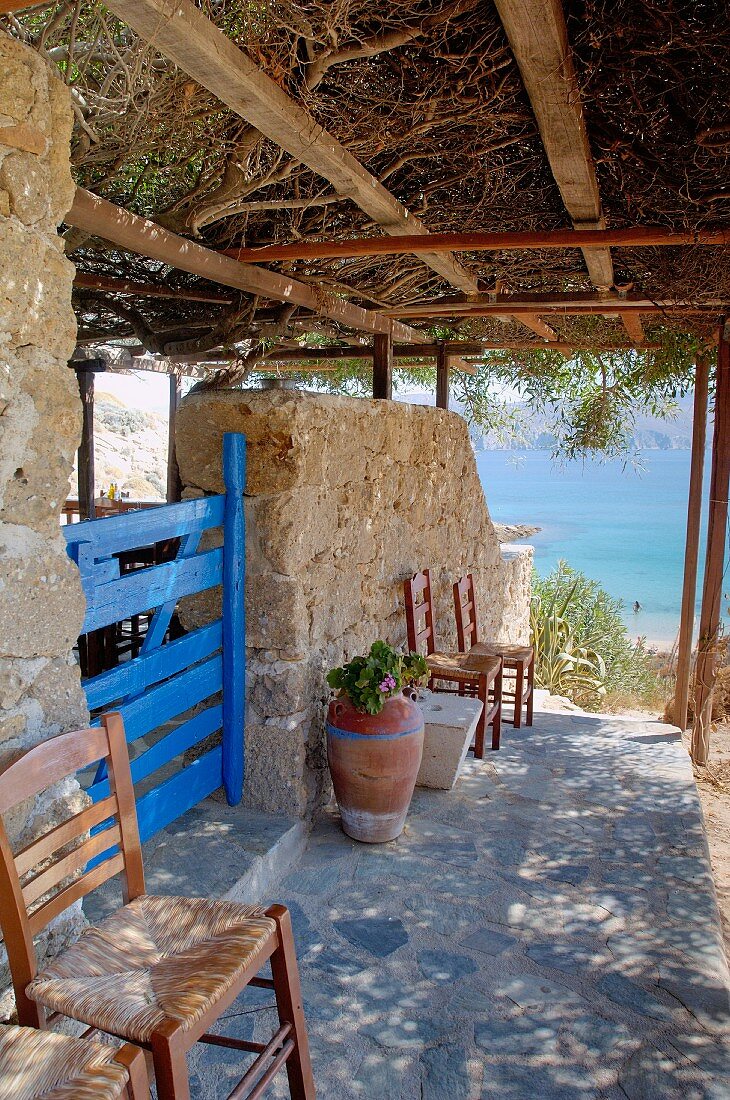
[(429, 351), (145, 238), (540, 304), (85, 281), (509, 241), (184, 34), (533, 321), (538, 37), (633, 326), (317, 360)]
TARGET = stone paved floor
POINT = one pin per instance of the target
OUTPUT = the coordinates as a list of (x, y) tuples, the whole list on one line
[(546, 931)]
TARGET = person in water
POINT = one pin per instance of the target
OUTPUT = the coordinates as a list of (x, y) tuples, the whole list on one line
[(637, 606)]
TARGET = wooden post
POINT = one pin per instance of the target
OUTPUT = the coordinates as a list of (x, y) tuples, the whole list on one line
[(691, 553), (234, 616), (715, 556), (442, 378), (85, 371), (87, 508), (383, 367), (174, 486)]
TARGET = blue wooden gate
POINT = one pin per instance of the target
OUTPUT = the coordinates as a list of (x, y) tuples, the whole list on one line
[(166, 680)]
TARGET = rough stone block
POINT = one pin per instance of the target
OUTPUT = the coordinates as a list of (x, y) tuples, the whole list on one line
[(41, 603), (344, 499), (449, 722), (275, 775), (294, 527), (276, 614)]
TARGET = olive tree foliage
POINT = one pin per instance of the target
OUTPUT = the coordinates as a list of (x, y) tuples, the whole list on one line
[(589, 400)]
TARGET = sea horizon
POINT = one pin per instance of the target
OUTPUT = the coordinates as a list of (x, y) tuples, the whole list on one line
[(622, 526)]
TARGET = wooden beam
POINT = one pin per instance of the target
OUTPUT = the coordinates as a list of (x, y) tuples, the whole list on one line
[(634, 328), (145, 238), (539, 304), (84, 281), (383, 367), (517, 241), (691, 553), (326, 358), (707, 650), (7, 6), (184, 34), (442, 378), (454, 348), (426, 351), (533, 321), (538, 37)]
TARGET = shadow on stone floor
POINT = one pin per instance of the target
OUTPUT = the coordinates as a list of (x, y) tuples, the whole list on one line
[(548, 929)]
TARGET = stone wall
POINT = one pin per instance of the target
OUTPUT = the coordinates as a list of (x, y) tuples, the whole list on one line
[(41, 603), (345, 499)]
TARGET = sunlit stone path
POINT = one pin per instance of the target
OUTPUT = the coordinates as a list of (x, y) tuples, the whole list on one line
[(547, 930)]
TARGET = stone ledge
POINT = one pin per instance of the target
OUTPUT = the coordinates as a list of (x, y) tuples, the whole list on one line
[(213, 850)]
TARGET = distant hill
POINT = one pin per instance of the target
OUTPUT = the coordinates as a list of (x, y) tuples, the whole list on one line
[(131, 445), (130, 448), (650, 433)]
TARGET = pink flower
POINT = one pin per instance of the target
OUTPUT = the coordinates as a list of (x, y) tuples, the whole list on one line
[(387, 684)]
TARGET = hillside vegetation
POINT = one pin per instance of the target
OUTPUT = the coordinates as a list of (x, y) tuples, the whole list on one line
[(130, 448)]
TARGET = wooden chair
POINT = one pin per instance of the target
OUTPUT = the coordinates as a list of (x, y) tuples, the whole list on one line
[(518, 661), (38, 1065), (161, 970), (480, 677)]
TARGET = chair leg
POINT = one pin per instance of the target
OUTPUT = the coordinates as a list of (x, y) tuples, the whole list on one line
[(519, 692), (531, 689), (497, 720), (483, 695), (171, 1068), (133, 1059), (287, 990)]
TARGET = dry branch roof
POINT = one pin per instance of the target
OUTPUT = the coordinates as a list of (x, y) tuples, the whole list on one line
[(429, 98)]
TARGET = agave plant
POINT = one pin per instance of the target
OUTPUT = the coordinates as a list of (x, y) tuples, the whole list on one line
[(562, 665)]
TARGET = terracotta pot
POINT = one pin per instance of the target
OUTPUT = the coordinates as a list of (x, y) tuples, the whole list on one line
[(374, 761)]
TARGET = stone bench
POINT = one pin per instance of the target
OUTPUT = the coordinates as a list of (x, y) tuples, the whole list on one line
[(449, 725)]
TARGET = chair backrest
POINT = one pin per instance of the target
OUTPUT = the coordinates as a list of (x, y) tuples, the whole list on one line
[(465, 612), (419, 613), (43, 879)]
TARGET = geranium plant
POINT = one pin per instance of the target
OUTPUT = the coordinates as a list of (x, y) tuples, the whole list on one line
[(369, 681), (415, 670)]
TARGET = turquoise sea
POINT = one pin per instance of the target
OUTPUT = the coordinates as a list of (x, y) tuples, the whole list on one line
[(624, 527)]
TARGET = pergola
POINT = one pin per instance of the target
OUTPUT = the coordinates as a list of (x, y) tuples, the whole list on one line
[(303, 184)]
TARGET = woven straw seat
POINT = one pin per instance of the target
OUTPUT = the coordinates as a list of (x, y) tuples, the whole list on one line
[(156, 959), (161, 971), (38, 1065), (504, 650), (466, 663)]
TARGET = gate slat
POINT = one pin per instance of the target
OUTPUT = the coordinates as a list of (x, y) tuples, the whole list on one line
[(172, 745), (131, 530), (204, 670), (160, 704), (143, 672), (181, 792), (137, 592)]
